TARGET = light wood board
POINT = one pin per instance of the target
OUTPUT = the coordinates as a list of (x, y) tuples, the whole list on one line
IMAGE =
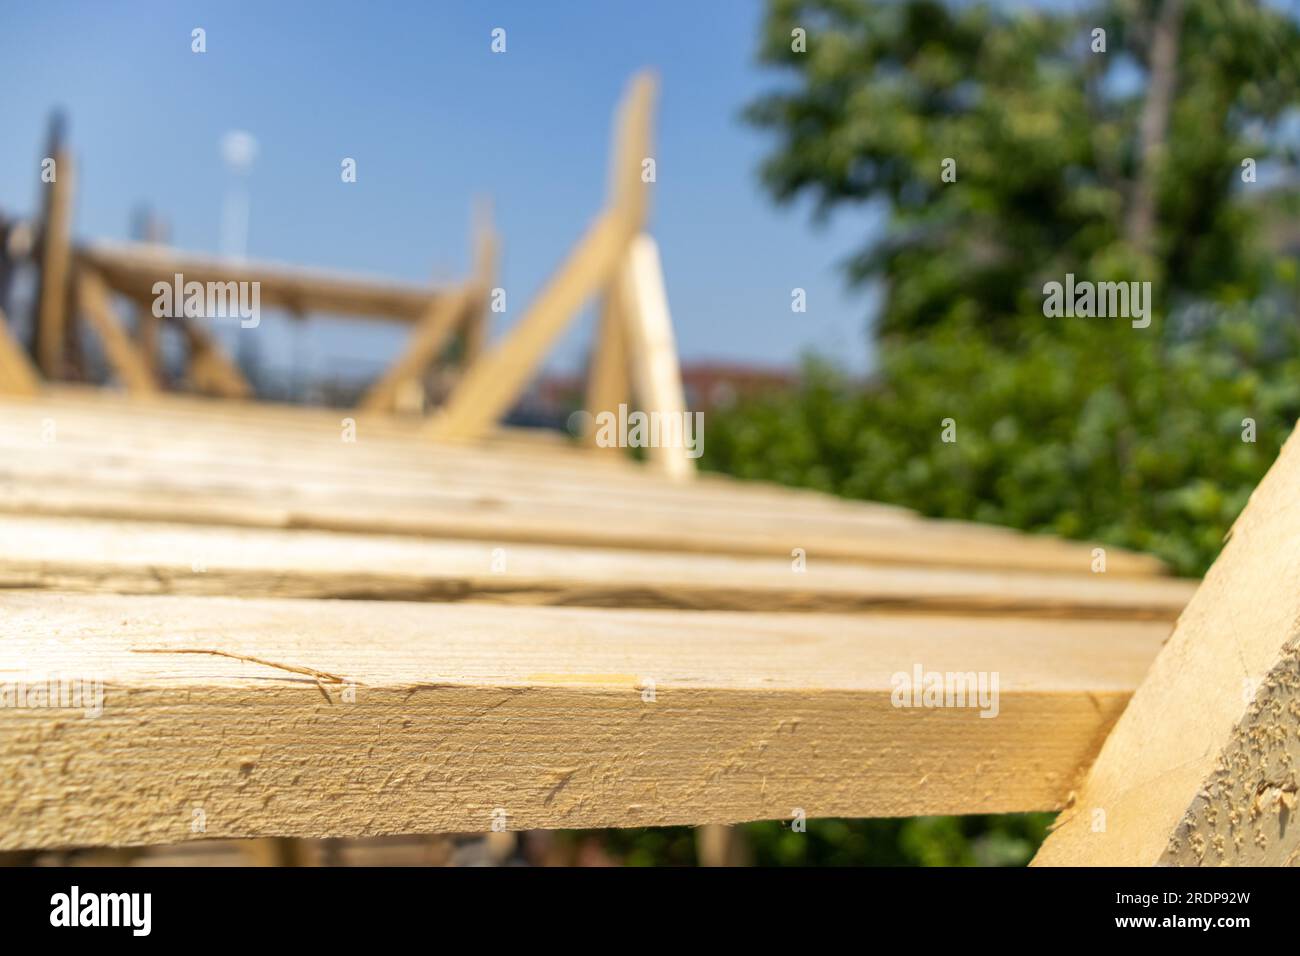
[(362, 718), (1202, 768), (157, 558)]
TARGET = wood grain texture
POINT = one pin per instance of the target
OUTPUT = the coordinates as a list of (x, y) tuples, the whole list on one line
[(175, 466), (191, 500), (237, 439), (1201, 769), (275, 719), (156, 558)]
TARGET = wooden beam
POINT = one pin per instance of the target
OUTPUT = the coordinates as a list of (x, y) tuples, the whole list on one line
[(17, 375), (1202, 768), (284, 719), (133, 268), (56, 257), (607, 382), (629, 191), (254, 502), (211, 372), (162, 465), (191, 432), (129, 366), (486, 251), (656, 376), (148, 327), (138, 557), (607, 376), (491, 385), (428, 339)]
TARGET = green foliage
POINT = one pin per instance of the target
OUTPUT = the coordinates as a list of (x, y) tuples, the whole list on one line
[(1092, 429), (1045, 135), (1086, 428), (920, 841), (1081, 427)]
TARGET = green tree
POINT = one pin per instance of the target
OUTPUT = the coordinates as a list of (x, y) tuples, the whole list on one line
[(1124, 163)]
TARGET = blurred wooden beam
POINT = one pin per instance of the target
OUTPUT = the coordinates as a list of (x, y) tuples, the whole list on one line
[(652, 351), (486, 252), (130, 367), (211, 371), (17, 374), (133, 268), (607, 376), (55, 255), (432, 334), (152, 230), (493, 384)]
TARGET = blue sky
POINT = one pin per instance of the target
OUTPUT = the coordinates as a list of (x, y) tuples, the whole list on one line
[(434, 119)]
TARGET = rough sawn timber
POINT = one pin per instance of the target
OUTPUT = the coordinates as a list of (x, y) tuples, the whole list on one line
[(284, 718), (1202, 767)]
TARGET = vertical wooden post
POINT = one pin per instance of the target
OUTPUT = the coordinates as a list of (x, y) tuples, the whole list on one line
[(56, 254), (652, 350), (149, 228)]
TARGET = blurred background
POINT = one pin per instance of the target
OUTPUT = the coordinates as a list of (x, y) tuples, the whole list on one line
[(801, 145)]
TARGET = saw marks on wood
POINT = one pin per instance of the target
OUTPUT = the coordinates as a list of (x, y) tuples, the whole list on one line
[(300, 635), (353, 718), (135, 557), (1202, 769)]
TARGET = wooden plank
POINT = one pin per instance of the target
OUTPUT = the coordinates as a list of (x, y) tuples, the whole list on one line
[(133, 268), (55, 254), (1201, 770), (290, 469), (190, 432), (656, 377), (429, 338), (194, 499), (132, 557), (17, 374), (492, 384), (289, 719), (130, 368), (209, 478)]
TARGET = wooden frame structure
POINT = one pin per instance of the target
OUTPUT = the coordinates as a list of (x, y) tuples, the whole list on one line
[(634, 357), (232, 619)]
